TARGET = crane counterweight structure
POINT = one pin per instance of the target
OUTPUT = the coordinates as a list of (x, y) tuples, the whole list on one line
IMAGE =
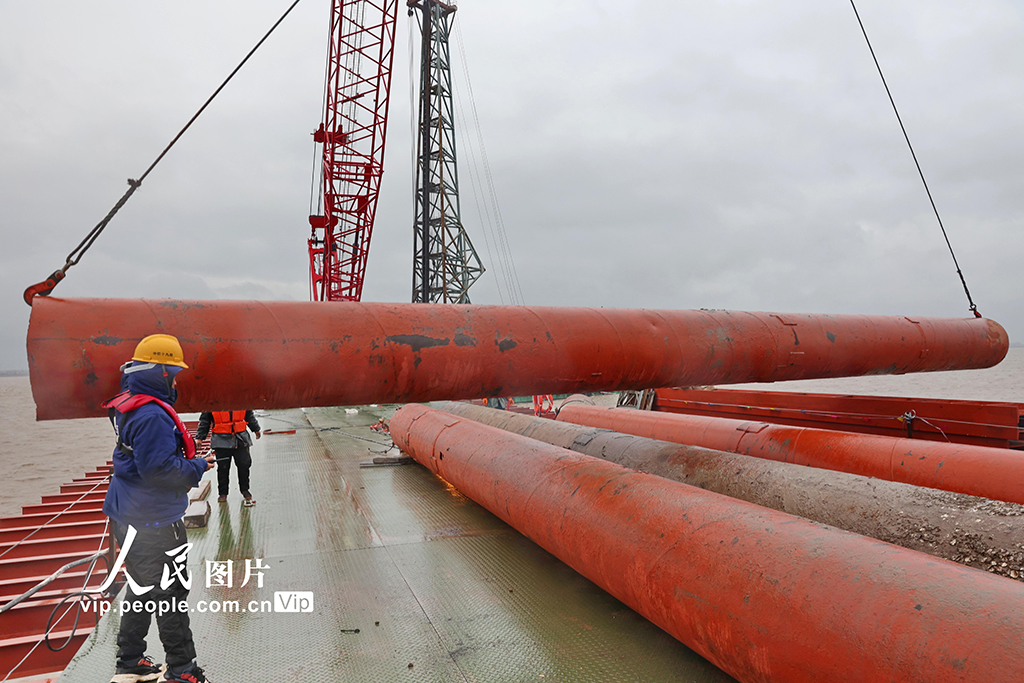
[(352, 135), (445, 263)]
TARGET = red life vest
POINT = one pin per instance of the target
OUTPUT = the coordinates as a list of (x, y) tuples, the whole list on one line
[(229, 421), (126, 402)]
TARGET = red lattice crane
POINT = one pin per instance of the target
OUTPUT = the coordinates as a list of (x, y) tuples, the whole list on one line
[(352, 134)]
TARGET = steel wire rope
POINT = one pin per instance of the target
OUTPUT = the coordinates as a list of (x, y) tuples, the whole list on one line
[(102, 481), (484, 210), (500, 237), (972, 306), (78, 594), (908, 419), (316, 180), (336, 430), (413, 116), (47, 581), (50, 623), (92, 559), (479, 201), (416, 145), (45, 287), (29, 653), (931, 424), (484, 213), (486, 164)]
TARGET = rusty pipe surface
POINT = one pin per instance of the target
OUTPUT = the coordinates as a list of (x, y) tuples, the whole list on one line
[(250, 354), (763, 595), (996, 473), (936, 522)]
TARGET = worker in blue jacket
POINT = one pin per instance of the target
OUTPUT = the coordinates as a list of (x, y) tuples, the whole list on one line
[(154, 468)]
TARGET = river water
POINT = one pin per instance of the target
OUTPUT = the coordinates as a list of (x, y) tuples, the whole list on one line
[(37, 457)]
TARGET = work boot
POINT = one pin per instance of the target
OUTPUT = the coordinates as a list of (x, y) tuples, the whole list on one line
[(143, 670), (222, 499), (191, 675)]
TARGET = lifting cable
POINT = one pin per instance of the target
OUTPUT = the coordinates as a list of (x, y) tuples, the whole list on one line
[(46, 286), (973, 307)]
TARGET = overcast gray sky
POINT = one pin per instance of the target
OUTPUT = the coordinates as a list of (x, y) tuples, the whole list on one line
[(674, 154)]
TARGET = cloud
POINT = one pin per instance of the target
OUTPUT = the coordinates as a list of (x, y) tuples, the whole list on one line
[(649, 154)]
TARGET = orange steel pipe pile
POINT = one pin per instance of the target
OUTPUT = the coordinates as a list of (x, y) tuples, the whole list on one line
[(996, 473), (248, 354), (763, 595), (879, 509)]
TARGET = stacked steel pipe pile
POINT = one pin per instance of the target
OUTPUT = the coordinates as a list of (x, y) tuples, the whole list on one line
[(764, 595), (948, 525), (996, 473)]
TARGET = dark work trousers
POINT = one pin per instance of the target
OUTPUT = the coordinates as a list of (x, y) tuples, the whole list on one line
[(145, 564), (242, 459)]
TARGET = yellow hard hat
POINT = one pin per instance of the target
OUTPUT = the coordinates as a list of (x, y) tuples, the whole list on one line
[(160, 348)]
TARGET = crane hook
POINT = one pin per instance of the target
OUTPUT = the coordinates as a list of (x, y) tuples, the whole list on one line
[(45, 287)]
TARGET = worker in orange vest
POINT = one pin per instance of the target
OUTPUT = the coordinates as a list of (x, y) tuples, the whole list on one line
[(230, 440)]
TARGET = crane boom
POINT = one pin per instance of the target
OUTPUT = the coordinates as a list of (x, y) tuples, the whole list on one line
[(352, 135), (445, 263)]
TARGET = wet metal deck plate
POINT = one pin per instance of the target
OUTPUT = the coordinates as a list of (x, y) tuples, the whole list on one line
[(440, 589)]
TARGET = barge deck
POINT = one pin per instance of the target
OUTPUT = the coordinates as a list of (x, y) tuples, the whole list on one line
[(438, 588)]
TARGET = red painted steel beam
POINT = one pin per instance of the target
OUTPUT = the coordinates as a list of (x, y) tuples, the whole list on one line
[(75, 514), (53, 508), (979, 422), (68, 582), (40, 660), (29, 619), (35, 547), (55, 530), (15, 568), (247, 354), (72, 497), (996, 473), (763, 595), (82, 489)]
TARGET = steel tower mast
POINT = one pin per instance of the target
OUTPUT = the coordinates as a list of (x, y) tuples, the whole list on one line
[(355, 119), (445, 264)]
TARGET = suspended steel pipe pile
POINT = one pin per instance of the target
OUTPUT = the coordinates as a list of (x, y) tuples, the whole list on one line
[(287, 354)]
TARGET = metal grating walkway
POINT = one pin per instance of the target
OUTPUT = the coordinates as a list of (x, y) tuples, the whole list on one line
[(440, 589)]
